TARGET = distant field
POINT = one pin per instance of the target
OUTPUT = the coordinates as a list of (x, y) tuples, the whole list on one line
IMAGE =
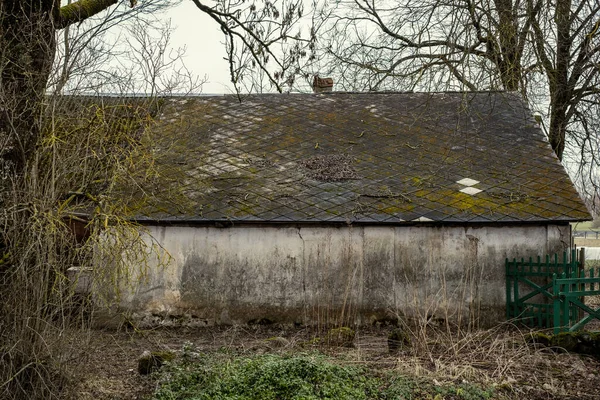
[(581, 242), (584, 226)]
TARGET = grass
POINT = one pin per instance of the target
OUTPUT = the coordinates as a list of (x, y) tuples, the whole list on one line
[(299, 376), (441, 363), (584, 226)]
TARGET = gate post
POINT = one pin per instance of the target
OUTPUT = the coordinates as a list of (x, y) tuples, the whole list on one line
[(556, 306), (581, 274)]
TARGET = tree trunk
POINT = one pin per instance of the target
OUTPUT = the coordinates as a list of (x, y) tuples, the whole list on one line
[(508, 57), (27, 44), (559, 80), (558, 125)]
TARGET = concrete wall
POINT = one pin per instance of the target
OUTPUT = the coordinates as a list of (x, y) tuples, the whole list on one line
[(331, 275)]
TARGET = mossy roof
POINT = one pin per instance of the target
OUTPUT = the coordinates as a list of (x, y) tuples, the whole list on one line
[(364, 158)]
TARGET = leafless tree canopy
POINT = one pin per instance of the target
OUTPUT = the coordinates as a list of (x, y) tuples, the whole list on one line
[(548, 51), (266, 40)]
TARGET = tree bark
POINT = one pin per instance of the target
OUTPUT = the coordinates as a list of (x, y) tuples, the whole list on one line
[(81, 10), (28, 43), (559, 80), (27, 49), (509, 56)]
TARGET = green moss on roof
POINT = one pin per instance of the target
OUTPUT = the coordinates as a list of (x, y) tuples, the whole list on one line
[(406, 152)]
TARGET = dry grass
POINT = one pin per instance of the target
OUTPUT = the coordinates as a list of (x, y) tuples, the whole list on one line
[(483, 356), (497, 358)]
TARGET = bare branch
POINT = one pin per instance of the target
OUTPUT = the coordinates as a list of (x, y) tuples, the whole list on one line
[(80, 11)]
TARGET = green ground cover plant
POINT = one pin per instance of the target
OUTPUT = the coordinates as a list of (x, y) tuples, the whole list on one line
[(306, 376)]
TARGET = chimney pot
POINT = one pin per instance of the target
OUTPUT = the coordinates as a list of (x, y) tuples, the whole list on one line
[(322, 84)]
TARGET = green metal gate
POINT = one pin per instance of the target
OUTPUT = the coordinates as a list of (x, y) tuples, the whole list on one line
[(570, 311), (530, 285), (551, 293)]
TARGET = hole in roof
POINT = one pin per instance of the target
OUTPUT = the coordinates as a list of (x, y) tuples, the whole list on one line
[(329, 168)]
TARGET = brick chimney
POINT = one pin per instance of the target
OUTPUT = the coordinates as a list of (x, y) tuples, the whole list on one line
[(321, 85)]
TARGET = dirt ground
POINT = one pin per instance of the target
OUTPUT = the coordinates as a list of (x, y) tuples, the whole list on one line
[(106, 363)]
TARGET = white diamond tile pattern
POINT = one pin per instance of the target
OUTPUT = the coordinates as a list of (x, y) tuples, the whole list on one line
[(467, 182), (470, 190)]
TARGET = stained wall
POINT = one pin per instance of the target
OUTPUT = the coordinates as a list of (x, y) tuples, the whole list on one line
[(334, 275)]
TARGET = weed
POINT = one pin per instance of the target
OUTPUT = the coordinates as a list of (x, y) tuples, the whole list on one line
[(295, 377), (305, 376)]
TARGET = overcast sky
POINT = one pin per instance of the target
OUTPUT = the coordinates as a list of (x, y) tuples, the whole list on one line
[(203, 40)]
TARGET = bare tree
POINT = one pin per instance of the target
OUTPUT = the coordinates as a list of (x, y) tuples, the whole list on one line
[(72, 205), (63, 157), (547, 51), (86, 51), (28, 43), (266, 40)]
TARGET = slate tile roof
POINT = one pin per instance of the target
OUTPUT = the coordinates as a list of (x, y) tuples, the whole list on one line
[(365, 158)]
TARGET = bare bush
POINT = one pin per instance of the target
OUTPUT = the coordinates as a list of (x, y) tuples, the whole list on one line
[(75, 170), (68, 203)]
